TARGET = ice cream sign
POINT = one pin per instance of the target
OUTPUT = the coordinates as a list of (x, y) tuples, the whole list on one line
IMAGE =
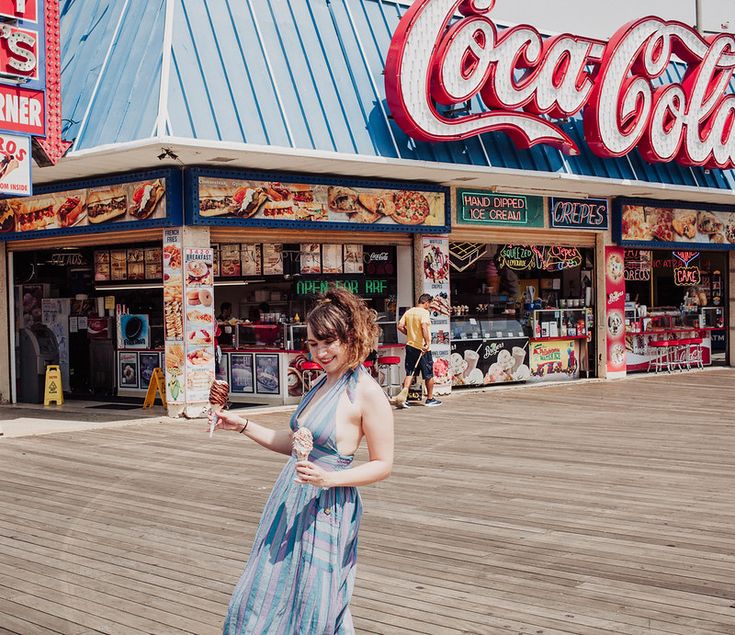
[(527, 83)]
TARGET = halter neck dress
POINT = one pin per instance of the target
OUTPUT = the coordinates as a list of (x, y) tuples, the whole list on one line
[(301, 571)]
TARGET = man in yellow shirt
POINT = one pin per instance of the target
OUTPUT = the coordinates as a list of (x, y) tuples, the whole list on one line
[(416, 326)]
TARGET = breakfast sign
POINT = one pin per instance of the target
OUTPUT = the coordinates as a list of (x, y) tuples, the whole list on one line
[(528, 83), (287, 202)]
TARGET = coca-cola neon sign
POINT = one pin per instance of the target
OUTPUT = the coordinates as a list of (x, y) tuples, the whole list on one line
[(436, 61)]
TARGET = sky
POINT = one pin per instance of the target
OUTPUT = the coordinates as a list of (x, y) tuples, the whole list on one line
[(600, 18)]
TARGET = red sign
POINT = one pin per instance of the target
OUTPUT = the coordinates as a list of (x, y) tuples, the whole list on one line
[(615, 309), (22, 110), (19, 9), (18, 52), (520, 76)]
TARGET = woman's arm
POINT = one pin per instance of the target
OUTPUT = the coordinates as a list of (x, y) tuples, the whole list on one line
[(377, 426), (276, 440)]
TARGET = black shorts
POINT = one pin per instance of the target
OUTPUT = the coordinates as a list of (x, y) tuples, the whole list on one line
[(426, 365)]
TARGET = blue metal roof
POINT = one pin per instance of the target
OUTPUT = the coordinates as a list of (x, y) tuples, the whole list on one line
[(304, 74)]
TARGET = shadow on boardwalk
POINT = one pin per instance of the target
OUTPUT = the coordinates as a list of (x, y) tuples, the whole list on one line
[(589, 508)]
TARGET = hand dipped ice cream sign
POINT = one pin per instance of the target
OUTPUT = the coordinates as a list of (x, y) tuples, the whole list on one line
[(435, 61)]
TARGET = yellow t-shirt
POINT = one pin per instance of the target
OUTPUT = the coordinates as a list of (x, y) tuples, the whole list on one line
[(412, 320)]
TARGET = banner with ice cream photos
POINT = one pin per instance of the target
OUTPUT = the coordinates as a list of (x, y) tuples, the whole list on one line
[(433, 273)]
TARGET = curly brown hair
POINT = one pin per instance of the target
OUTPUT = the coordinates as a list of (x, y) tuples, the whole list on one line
[(341, 315)]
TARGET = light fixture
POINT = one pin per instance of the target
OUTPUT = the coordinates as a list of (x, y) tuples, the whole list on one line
[(234, 283), (168, 153), (129, 287)]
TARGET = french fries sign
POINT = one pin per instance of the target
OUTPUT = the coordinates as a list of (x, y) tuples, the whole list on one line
[(15, 165)]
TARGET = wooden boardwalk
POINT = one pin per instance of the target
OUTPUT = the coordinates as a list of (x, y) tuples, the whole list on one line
[(590, 508)]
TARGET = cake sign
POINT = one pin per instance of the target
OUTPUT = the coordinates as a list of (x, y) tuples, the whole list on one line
[(526, 82)]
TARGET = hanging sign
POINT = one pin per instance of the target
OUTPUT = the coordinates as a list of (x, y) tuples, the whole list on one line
[(686, 276), (491, 208), (567, 213), (637, 265), (19, 9), (527, 81), (15, 165), (615, 310)]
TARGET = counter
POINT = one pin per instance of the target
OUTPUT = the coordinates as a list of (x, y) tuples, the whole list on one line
[(639, 353), (488, 351)]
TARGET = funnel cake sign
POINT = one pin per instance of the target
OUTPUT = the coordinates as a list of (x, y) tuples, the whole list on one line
[(527, 81)]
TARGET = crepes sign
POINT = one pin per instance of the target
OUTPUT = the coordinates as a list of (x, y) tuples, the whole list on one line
[(90, 206), (294, 203)]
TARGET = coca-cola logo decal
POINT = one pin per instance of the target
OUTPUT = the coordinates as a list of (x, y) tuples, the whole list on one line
[(527, 81)]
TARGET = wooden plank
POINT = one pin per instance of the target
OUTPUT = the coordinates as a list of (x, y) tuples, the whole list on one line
[(594, 508)]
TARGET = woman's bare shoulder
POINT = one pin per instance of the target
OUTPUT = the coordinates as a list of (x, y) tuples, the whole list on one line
[(369, 390)]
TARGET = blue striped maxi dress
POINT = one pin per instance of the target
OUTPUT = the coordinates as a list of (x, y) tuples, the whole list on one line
[(301, 571)]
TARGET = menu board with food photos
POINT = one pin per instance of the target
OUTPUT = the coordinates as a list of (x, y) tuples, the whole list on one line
[(173, 311), (252, 260), (118, 264), (128, 264), (88, 207), (153, 263), (332, 259), (310, 258), (272, 259), (651, 224), (353, 259), (249, 201), (136, 264), (199, 323), (102, 266), (230, 264)]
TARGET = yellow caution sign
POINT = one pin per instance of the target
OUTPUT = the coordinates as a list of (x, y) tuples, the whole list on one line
[(157, 384), (53, 391)]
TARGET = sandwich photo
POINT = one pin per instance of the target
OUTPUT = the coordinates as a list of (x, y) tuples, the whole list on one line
[(280, 202), (71, 211), (106, 204), (342, 199), (377, 204), (247, 201), (36, 215), (7, 215), (311, 212), (301, 193), (215, 199), (146, 197)]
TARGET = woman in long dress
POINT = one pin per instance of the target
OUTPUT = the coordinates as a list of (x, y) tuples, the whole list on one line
[(301, 571)]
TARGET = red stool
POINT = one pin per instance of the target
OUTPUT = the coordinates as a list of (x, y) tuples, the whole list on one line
[(385, 366), (693, 352), (664, 355), (310, 372)]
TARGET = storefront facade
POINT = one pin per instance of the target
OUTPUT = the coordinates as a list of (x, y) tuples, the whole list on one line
[(381, 165)]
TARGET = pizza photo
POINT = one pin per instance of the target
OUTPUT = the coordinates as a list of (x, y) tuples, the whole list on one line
[(411, 208)]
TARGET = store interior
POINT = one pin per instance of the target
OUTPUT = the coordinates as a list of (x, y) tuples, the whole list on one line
[(75, 294), (262, 298), (682, 288), (506, 297)]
